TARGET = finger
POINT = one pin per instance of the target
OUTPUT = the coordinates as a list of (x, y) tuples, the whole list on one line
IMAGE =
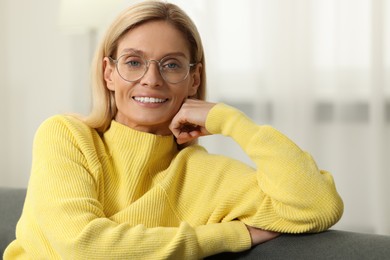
[(187, 135), (175, 125)]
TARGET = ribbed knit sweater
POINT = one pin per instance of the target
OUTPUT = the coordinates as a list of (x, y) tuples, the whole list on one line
[(127, 194)]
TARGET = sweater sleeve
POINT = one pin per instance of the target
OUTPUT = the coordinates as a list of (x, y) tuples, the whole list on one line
[(296, 196), (64, 212)]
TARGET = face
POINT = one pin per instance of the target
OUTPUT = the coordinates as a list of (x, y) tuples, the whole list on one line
[(150, 103)]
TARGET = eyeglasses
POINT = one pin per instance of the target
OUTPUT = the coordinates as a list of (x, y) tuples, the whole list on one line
[(173, 69)]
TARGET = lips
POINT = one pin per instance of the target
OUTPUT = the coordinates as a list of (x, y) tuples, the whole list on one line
[(149, 100)]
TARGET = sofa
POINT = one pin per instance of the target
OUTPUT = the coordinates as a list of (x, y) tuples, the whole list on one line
[(332, 244)]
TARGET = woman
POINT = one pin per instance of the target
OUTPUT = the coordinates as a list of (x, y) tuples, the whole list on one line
[(129, 182)]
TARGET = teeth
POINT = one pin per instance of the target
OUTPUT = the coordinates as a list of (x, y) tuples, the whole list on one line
[(149, 100)]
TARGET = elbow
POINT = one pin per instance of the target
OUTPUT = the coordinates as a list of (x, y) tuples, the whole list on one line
[(325, 215), (334, 213), (326, 206), (317, 217), (309, 218)]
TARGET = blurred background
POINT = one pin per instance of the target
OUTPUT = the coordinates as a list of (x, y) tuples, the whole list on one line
[(317, 70)]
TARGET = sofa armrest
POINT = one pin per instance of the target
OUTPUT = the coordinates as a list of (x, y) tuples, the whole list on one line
[(332, 244), (11, 205)]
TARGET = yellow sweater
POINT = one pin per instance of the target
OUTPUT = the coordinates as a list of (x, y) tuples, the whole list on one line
[(133, 195)]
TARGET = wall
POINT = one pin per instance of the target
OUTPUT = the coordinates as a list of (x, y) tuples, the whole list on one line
[(3, 93), (44, 72)]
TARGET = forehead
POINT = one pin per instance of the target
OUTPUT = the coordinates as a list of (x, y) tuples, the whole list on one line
[(155, 39)]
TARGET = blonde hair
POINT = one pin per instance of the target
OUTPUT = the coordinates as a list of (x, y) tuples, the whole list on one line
[(103, 102)]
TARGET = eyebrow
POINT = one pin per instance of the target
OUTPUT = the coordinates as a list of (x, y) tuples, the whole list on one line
[(141, 53)]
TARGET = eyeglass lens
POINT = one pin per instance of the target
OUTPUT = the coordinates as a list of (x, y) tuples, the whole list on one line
[(173, 69)]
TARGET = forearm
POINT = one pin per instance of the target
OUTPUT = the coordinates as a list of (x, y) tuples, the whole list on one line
[(295, 192), (101, 238)]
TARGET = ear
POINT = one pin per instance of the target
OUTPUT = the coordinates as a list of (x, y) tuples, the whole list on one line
[(195, 76), (109, 70)]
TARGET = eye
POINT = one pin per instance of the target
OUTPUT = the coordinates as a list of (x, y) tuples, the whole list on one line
[(133, 62), (172, 65)]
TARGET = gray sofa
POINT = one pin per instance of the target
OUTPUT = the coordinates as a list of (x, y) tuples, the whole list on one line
[(332, 244)]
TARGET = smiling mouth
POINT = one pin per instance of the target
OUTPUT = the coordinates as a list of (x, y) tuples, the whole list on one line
[(150, 100)]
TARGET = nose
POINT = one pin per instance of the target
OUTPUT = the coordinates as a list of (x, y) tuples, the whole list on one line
[(152, 75)]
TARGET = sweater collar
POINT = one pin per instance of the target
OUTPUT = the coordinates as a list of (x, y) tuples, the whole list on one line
[(148, 148)]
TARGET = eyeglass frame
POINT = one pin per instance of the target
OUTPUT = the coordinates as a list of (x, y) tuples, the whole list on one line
[(148, 62)]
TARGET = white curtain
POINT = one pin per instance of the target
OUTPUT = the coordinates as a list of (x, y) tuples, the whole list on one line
[(318, 70)]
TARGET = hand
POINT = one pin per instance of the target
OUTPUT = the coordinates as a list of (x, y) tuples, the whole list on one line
[(189, 122), (259, 236)]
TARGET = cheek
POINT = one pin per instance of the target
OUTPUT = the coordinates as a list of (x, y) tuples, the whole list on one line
[(186, 90), (122, 95), (180, 97)]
